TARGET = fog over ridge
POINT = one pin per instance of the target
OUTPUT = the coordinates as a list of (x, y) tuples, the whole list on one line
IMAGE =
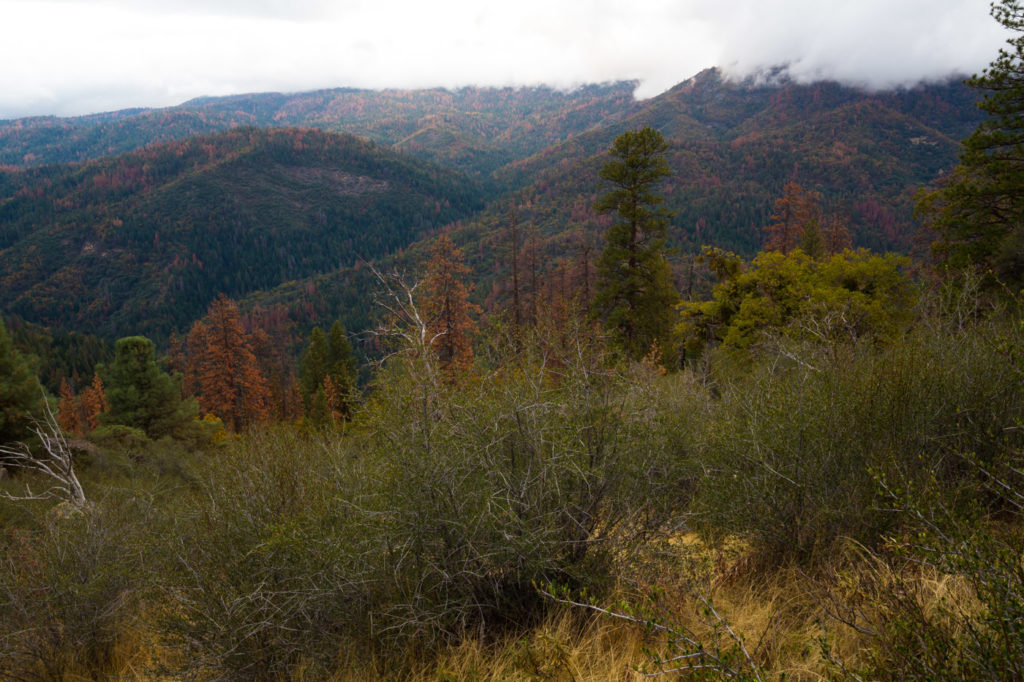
[(68, 57)]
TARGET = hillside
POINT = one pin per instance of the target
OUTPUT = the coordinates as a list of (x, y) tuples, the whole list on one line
[(476, 130), (252, 214), (733, 148), (141, 243)]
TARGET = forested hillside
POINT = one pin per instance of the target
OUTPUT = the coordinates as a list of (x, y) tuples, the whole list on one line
[(733, 148), (473, 129), (144, 241)]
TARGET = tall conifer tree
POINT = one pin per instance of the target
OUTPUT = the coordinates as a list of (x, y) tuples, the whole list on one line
[(21, 398), (341, 371), (93, 402), (447, 307), (313, 367), (795, 220), (143, 396), (224, 368), (68, 410), (979, 215), (635, 297)]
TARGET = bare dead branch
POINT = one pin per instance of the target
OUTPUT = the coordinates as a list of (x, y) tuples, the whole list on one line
[(54, 462)]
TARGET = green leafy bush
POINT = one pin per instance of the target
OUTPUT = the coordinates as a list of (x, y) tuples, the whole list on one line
[(791, 448), (853, 295)]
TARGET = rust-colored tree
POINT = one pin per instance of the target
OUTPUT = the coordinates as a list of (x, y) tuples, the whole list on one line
[(447, 308), (270, 335), (836, 235), (796, 212), (68, 414), (93, 403), (222, 369)]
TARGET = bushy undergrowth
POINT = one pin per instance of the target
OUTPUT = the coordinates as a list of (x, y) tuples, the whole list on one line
[(432, 519), (70, 588), (429, 523), (793, 450)]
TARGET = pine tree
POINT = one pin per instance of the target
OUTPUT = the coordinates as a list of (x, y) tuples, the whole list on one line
[(141, 395), (341, 371), (21, 398), (277, 367), (634, 296), (811, 241), (795, 220), (836, 235), (223, 367), (319, 412), (313, 368), (979, 214), (447, 308)]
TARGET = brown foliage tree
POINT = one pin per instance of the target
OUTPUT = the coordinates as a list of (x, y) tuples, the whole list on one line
[(222, 369), (335, 401), (795, 212), (94, 401), (836, 235), (68, 416), (447, 308), (270, 335)]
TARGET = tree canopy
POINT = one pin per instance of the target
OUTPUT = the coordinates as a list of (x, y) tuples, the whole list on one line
[(854, 294), (327, 375), (223, 368), (635, 297), (447, 307), (21, 397), (979, 214), (142, 396)]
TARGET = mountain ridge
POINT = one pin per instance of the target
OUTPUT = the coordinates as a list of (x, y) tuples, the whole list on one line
[(733, 147)]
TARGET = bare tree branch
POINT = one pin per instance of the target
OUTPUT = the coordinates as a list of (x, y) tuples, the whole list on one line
[(55, 462)]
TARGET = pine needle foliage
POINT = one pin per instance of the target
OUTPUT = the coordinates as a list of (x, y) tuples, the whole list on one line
[(635, 297)]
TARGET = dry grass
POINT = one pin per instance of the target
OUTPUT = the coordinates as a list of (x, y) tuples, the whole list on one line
[(569, 647), (781, 615)]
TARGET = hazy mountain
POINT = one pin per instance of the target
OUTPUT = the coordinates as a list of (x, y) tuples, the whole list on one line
[(476, 130)]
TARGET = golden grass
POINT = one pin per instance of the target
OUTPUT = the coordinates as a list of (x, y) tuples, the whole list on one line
[(781, 615)]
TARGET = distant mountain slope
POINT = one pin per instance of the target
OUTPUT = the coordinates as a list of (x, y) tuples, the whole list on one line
[(145, 240), (476, 130), (142, 242), (734, 146)]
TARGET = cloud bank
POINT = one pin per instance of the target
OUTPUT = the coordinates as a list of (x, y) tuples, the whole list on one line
[(81, 56)]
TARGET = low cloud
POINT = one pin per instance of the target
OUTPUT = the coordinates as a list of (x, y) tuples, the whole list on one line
[(81, 56)]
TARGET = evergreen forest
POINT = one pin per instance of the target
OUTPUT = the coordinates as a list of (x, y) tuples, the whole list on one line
[(518, 384)]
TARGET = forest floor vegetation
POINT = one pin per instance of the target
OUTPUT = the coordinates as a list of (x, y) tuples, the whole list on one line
[(808, 511)]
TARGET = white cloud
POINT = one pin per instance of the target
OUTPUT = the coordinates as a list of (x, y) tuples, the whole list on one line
[(77, 56)]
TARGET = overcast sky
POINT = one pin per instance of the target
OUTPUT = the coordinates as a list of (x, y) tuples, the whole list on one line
[(81, 56)]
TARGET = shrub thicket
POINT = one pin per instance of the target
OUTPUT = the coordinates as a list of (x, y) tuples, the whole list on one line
[(793, 448)]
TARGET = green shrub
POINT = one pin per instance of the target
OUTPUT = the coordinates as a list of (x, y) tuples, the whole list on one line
[(791, 449), (268, 566), (433, 517)]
